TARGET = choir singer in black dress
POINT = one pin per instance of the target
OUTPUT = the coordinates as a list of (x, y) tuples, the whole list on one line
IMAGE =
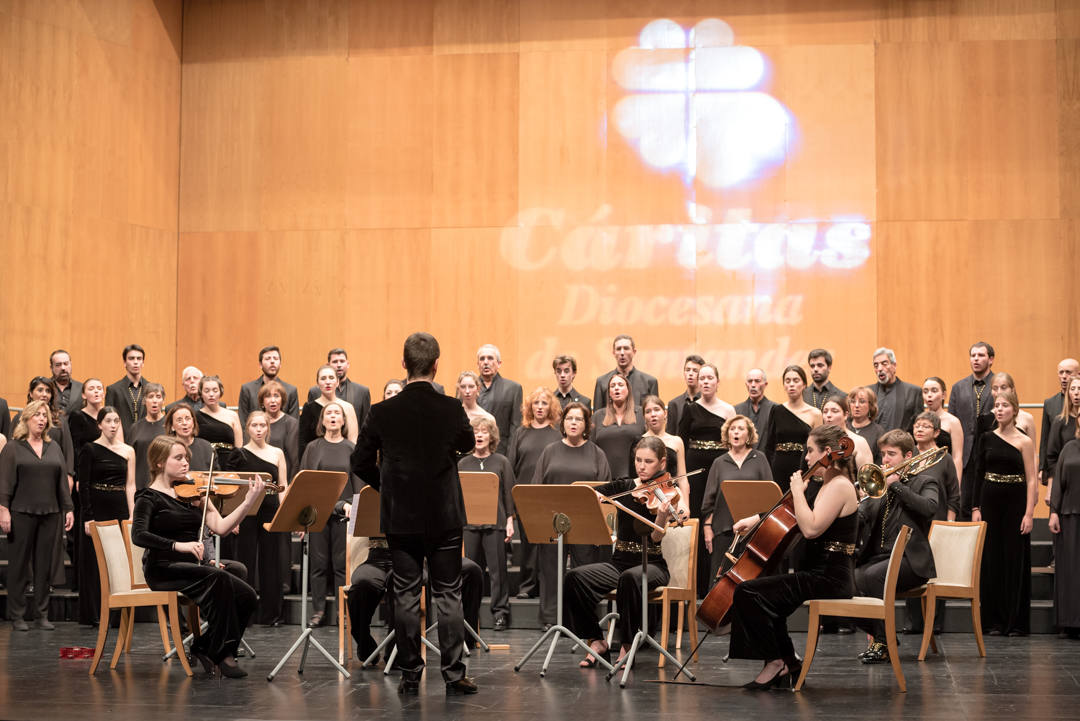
[(419, 434), (176, 559)]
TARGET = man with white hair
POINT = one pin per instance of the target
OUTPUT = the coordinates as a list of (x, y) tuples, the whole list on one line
[(898, 402), (757, 407), (499, 396), (189, 379)]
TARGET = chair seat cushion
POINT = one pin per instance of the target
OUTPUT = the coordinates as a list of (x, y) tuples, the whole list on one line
[(856, 601)]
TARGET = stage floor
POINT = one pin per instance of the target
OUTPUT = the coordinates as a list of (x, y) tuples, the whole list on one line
[(1021, 678)]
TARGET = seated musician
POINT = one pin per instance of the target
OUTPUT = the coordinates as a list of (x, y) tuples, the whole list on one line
[(827, 518), (906, 502), (176, 559), (369, 586), (586, 585)]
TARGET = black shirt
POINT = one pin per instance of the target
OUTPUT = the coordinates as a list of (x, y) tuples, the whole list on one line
[(33, 485)]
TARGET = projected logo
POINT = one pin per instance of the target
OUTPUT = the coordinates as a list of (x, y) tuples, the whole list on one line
[(696, 104)]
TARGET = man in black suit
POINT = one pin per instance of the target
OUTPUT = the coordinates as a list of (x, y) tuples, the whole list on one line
[(1053, 406), (820, 388), (677, 405), (757, 407), (565, 367), (641, 384), (270, 363), (912, 502), (898, 402), (970, 398), (68, 392), (126, 394), (358, 395), (408, 450), (501, 397)]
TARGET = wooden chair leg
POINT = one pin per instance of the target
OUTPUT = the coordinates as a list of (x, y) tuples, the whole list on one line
[(680, 612), (341, 625), (811, 646), (691, 621), (178, 639), (103, 632), (976, 622), (894, 648), (130, 631), (929, 611), (665, 624), (163, 626), (121, 638)]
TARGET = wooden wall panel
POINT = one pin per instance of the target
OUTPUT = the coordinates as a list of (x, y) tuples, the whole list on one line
[(476, 26), (1068, 92), (959, 20), (379, 28)]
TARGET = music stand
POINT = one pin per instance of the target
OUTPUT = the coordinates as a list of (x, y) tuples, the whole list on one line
[(306, 507), (572, 513), (746, 498)]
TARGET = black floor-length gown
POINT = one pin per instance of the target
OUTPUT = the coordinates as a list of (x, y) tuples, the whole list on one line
[(103, 478), (259, 550)]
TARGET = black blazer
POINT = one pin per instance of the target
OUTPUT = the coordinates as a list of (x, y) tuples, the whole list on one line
[(962, 405), (249, 399), (408, 451), (914, 504), (116, 395), (352, 392), (1052, 408)]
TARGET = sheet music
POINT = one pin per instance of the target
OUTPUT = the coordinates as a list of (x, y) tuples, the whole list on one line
[(352, 515)]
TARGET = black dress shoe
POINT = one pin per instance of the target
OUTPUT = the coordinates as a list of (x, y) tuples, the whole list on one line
[(911, 631), (408, 687), (878, 653), (462, 687), (229, 669), (501, 623)]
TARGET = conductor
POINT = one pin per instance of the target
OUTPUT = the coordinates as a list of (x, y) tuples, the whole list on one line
[(408, 450)]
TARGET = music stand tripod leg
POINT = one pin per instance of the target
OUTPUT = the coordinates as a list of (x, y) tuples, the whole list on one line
[(373, 658)]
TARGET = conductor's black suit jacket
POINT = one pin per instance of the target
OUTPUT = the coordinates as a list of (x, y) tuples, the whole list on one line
[(408, 450)]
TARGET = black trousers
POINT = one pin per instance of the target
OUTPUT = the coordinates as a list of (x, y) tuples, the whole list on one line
[(870, 581), (487, 546), (260, 551), (585, 587), (327, 571), (33, 540), (530, 561), (225, 601), (368, 587), (442, 551)]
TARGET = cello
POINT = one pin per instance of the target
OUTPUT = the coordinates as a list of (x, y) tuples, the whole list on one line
[(766, 544)]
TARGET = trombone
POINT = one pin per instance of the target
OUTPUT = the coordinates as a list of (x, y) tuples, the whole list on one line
[(871, 478)]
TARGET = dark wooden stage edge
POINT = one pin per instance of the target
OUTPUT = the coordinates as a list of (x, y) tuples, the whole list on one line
[(1020, 678)]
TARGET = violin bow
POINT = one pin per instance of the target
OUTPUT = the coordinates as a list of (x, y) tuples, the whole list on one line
[(206, 498)]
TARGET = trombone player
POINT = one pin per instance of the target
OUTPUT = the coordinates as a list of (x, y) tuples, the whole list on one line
[(900, 494)]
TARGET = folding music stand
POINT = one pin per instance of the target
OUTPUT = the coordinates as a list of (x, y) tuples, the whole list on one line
[(572, 513), (745, 498), (306, 507)]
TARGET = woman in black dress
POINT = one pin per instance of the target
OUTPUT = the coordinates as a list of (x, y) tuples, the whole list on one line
[(177, 560), (35, 504), (951, 435), (790, 424), (330, 451), (828, 520), (701, 427), (1065, 525), (83, 425), (180, 423), (740, 463), (540, 415), (327, 381), (656, 416), (586, 585), (862, 402), (284, 429), (618, 426), (147, 429), (1004, 496), (255, 547), (106, 471), (217, 425)]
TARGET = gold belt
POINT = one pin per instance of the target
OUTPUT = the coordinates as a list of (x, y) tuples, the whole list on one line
[(1005, 478), (707, 445), (790, 447), (106, 487), (378, 543), (222, 446), (635, 547), (848, 549)]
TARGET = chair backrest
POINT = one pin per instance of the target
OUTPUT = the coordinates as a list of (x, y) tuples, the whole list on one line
[(680, 547), (114, 564), (895, 558), (958, 549), (135, 557)]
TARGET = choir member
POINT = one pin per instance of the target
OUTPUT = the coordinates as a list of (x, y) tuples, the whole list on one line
[(1004, 497), (972, 403), (107, 492), (146, 430), (392, 388), (83, 424), (656, 424), (834, 412), (284, 429), (1025, 422), (691, 367), (951, 434), (757, 407), (618, 425), (327, 380), (789, 425), (189, 381), (218, 425), (270, 365), (1063, 428), (862, 402), (1052, 406), (1065, 525), (353, 393), (898, 402), (741, 462), (468, 390), (565, 367), (43, 389), (641, 384), (486, 544), (168, 528), (180, 423), (499, 396), (35, 504), (821, 388), (126, 394), (827, 517), (68, 390)]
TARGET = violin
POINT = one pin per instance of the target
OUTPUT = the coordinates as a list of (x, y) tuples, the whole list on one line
[(659, 492), (225, 484)]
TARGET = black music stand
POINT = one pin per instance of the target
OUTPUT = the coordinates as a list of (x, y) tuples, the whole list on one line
[(306, 507), (573, 514)]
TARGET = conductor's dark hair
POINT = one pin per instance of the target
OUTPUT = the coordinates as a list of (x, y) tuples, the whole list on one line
[(420, 353)]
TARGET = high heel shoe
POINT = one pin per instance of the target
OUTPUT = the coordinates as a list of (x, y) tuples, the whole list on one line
[(208, 666), (591, 659), (782, 679), (231, 670)]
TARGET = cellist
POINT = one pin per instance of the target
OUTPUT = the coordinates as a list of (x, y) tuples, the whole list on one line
[(827, 517)]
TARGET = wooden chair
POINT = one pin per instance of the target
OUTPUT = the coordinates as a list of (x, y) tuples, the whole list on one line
[(882, 609), (114, 569), (356, 552), (958, 549)]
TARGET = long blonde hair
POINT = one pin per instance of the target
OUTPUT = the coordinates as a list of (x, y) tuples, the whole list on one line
[(22, 430)]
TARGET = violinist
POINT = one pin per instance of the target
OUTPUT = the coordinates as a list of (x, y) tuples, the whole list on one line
[(176, 559), (586, 585), (827, 517)]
